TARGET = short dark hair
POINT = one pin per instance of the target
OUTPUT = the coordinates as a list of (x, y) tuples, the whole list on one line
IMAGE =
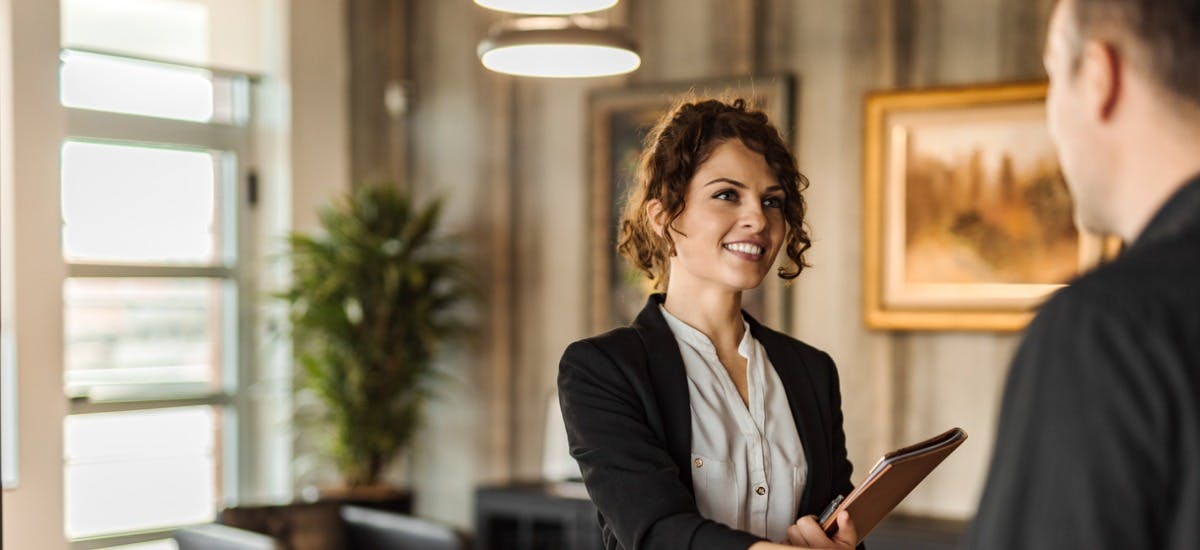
[(1163, 36), (679, 143)]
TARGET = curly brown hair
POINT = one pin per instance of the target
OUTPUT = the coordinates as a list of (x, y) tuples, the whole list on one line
[(679, 143)]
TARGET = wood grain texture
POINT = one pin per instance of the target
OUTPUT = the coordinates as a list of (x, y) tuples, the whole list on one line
[(380, 65)]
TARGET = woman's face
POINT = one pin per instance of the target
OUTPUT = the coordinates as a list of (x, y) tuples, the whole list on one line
[(732, 223)]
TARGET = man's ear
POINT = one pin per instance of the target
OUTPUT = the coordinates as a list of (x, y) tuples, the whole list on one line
[(1103, 78), (657, 216)]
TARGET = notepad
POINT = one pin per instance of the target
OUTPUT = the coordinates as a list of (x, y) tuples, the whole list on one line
[(892, 479)]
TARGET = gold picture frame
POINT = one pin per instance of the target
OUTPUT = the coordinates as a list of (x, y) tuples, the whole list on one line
[(968, 224), (619, 120)]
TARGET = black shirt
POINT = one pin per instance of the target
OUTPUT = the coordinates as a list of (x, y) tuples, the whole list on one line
[(1099, 438)]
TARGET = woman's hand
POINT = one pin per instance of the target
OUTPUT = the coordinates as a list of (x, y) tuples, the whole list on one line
[(807, 533)]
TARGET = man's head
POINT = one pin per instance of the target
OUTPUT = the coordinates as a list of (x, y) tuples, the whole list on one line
[(1117, 69)]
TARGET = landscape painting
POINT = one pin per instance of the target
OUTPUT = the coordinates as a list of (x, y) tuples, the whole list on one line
[(986, 204), (968, 223)]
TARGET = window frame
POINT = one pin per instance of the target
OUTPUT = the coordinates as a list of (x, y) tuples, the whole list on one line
[(236, 260)]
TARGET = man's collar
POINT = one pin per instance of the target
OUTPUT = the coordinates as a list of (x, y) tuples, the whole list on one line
[(1180, 214)]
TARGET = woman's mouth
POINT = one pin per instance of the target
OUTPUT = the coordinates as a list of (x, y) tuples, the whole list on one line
[(745, 251)]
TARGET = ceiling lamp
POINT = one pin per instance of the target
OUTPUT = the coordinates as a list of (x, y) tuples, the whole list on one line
[(558, 47), (547, 7)]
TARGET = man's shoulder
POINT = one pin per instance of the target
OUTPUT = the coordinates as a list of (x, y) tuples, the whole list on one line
[(1145, 282), (1113, 310)]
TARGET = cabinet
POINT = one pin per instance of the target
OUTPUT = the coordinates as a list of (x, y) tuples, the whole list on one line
[(535, 516)]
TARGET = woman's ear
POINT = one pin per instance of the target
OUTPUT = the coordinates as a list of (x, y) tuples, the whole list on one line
[(656, 215)]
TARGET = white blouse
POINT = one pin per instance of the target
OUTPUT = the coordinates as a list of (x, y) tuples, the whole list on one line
[(748, 466)]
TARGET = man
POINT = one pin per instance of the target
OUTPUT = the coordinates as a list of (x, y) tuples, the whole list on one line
[(1099, 437)]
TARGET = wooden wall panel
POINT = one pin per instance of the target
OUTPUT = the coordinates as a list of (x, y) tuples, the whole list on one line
[(381, 88)]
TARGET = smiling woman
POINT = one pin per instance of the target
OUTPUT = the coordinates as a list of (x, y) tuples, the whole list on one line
[(726, 430), (709, 138), (744, 219)]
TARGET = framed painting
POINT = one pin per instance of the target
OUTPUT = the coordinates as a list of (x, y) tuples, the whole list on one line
[(619, 120), (968, 223)]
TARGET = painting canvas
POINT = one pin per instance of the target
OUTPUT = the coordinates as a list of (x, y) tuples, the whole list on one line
[(969, 223), (620, 119)]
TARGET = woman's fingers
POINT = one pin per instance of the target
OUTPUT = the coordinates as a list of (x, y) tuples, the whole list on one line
[(806, 532), (846, 533)]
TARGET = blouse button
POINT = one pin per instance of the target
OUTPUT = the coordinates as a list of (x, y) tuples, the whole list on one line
[(699, 462), (761, 490)]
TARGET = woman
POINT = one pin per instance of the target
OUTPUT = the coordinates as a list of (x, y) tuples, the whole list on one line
[(696, 426)]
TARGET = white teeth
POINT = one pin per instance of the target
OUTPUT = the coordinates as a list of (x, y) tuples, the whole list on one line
[(745, 248)]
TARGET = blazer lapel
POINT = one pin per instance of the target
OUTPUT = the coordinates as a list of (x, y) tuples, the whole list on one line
[(806, 413), (667, 374)]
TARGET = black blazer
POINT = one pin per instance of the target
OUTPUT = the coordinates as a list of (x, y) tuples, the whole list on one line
[(624, 399)]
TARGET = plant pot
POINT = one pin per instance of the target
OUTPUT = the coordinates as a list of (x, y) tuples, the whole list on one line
[(380, 496)]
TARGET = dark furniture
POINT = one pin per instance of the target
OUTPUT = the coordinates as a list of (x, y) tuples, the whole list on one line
[(368, 529), (298, 526), (535, 516), (214, 536), (318, 526), (524, 516), (900, 532)]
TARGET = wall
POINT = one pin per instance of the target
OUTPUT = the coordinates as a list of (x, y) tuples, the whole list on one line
[(512, 154), (450, 161), (33, 126)]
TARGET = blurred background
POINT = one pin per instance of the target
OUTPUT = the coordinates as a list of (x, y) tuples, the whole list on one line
[(157, 153)]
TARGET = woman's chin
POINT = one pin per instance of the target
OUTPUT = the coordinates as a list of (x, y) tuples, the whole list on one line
[(745, 276), (746, 282)]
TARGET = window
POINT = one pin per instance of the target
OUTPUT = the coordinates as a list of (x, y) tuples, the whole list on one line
[(158, 319), (118, 84), (140, 470)]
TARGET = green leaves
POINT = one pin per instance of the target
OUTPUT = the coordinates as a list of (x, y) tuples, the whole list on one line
[(371, 298)]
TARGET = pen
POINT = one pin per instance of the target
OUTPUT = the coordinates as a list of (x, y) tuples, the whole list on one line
[(829, 509)]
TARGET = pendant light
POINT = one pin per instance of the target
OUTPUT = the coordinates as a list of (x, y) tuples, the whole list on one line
[(558, 47), (547, 7)]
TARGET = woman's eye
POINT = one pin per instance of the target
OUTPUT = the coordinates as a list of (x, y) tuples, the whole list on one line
[(727, 195), (773, 202)]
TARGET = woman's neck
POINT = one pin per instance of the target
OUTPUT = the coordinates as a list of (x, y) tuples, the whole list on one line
[(715, 312)]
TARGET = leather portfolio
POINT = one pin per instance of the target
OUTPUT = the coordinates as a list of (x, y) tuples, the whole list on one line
[(892, 479)]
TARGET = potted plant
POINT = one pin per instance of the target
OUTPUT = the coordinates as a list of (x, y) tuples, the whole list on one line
[(372, 296)]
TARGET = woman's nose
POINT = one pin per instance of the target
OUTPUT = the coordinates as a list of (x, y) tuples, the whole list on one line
[(754, 218)]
